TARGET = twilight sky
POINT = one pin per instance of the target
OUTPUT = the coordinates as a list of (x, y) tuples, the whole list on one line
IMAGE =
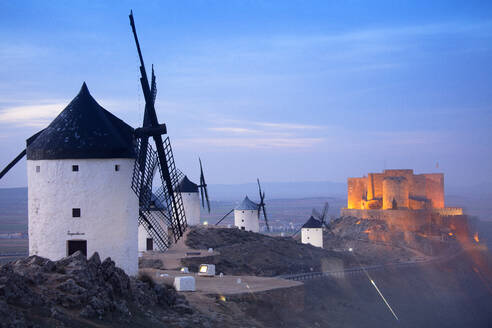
[(281, 90)]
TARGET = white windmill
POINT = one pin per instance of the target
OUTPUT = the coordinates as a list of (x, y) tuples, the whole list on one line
[(247, 213), (191, 199), (312, 230), (90, 180)]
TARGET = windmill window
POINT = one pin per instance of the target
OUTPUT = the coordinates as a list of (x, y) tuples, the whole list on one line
[(242, 220), (76, 212), (38, 168), (117, 167), (243, 211), (75, 168)]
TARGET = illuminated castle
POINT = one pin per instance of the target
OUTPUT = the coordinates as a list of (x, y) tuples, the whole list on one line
[(395, 189), (399, 197)]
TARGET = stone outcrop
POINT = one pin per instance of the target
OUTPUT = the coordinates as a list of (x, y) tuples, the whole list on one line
[(76, 291)]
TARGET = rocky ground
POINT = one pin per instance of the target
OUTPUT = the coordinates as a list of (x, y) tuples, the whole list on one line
[(76, 292), (80, 292), (373, 242), (248, 253)]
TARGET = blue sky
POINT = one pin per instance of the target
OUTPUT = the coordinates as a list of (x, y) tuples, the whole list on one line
[(282, 90)]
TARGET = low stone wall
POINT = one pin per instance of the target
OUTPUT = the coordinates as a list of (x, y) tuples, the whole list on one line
[(449, 211), (412, 220)]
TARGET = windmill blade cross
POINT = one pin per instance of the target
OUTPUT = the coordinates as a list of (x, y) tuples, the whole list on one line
[(316, 214), (12, 164), (20, 156), (261, 206), (208, 202), (150, 120), (203, 198), (265, 216), (259, 190), (203, 187), (295, 233), (224, 217), (325, 211)]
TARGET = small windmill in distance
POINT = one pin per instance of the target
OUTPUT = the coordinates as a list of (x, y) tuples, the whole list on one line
[(190, 194), (247, 214), (312, 230)]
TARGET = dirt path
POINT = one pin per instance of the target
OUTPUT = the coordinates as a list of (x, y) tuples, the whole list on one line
[(171, 259), (226, 285)]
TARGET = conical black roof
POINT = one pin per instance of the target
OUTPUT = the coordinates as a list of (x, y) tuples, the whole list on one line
[(312, 223), (247, 205), (83, 130), (187, 186)]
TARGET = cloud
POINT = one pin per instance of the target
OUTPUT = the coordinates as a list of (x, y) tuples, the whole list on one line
[(31, 115), (288, 126), (263, 135), (253, 143), (235, 130)]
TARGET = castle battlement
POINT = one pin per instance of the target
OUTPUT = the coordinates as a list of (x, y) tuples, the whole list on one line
[(396, 189), (401, 198)]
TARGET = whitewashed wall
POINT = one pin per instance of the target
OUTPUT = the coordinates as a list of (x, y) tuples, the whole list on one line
[(313, 236), (143, 235), (191, 203), (247, 219), (109, 209)]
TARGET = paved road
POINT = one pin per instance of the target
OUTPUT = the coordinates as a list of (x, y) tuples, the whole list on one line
[(361, 269)]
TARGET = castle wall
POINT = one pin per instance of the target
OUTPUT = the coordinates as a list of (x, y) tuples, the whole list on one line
[(356, 190), (417, 186), (375, 186), (403, 219), (419, 204), (434, 189), (395, 188), (108, 209), (420, 191), (449, 211), (414, 220)]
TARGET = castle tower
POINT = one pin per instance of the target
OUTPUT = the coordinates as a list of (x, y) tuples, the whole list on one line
[(191, 200), (395, 192), (79, 173), (246, 215), (312, 232)]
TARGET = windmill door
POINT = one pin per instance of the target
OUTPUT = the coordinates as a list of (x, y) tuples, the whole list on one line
[(76, 245), (150, 244)]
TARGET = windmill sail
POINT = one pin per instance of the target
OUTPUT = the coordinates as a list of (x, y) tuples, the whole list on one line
[(149, 161), (203, 187)]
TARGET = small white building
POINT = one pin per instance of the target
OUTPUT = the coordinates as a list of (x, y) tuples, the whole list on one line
[(246, 215), (79, 172), (191, 200), (312, 232)]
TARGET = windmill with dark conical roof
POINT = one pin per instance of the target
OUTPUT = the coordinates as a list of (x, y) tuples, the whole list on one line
[(312, 230), (247, 213), (79, 172), (90, 178), (189, 192)]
